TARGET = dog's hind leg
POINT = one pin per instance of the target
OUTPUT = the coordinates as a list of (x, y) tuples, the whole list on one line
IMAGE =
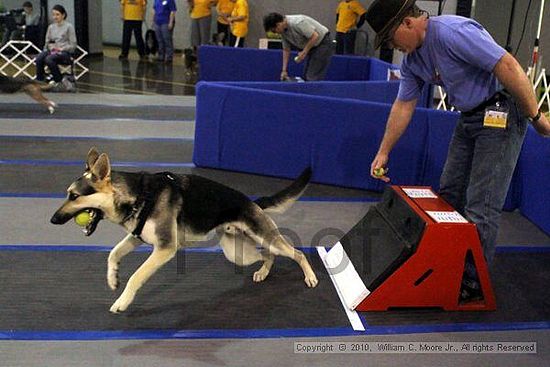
[(268, 235), (241, 250), (160, 256), (123, 248)]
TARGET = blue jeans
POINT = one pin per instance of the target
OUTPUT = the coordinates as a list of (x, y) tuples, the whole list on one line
[(479, 169), (166, 46), (52, 60)]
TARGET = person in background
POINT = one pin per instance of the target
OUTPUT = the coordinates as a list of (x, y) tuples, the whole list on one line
[(132, 13), (224, 9), (307, 35), (60, 45), (14, 30), (32, 22), (350, 15), (238, 23), (201, 19), (164, 20), (31, 18), (495, 98)]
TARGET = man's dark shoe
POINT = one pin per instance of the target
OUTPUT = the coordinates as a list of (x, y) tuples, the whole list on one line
[(123, 57)]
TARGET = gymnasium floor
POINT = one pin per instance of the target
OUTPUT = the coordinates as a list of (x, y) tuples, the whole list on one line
[(142, 115)]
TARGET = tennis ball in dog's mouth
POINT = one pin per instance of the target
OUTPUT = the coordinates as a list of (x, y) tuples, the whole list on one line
[(379, 172), (82, 218)]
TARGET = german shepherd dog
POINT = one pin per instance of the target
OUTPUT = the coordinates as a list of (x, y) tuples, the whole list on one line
[(31, 87), (170, 211)]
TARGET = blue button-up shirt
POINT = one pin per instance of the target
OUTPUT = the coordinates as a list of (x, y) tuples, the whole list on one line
[(457, 54)]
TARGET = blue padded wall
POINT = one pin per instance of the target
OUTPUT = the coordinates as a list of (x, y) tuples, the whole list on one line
[(373, 91), (270, 133), (377, 91), (248, 64), (534, 180), (233, 119)]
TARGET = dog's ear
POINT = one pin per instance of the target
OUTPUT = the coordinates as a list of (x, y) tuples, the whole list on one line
[(101, 169), (93, 155)]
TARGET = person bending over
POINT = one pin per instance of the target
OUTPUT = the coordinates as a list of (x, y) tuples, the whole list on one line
[(307, 35)]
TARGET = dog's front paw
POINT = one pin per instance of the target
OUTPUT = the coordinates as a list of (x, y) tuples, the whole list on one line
[(51, 106), (112, 277), (121, 304), (311, 281), (260, 275)]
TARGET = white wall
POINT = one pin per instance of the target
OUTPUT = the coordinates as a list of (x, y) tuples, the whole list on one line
[(321, 10), (95, 25), (112, 24), (497, 25)]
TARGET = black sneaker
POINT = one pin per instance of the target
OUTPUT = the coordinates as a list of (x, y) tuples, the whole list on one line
[(123, 57)]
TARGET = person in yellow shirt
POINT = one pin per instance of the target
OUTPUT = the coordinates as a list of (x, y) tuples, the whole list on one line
[(238, 23), (224, 9), (350, 15), (132, 13), (201, 18)]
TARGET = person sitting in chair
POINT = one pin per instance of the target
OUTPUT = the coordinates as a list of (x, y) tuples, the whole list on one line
[(60, 45)]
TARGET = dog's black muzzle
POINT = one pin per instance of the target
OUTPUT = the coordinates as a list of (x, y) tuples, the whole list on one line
[(60, 218), (96, 217)]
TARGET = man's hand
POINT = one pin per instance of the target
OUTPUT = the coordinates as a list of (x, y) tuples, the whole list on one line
[(301, 56), (379, 162), (542, 126), (284, 75)]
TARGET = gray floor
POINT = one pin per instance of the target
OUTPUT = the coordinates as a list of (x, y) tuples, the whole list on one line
[(40, 155)]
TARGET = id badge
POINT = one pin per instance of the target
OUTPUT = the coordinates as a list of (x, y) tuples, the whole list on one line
[(496, 116)]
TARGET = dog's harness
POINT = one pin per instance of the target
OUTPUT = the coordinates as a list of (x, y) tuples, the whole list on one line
[(146, 198)]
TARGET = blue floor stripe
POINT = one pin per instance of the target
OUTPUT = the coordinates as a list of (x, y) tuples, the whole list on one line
[(68, 137), (53, 162), (525, 249), (266, 333)]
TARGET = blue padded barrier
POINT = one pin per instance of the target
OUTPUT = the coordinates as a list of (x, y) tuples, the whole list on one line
[(378, 69), (248, 64), (248, 112), (534, 181), (234, 64), (271, 133), (376, 91), (349, 68), (373, 91)]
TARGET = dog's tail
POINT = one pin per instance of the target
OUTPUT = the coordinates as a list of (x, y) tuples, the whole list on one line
[(281, 201)]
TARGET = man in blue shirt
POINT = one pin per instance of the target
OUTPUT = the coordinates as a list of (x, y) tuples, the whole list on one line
[(482, 81)]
